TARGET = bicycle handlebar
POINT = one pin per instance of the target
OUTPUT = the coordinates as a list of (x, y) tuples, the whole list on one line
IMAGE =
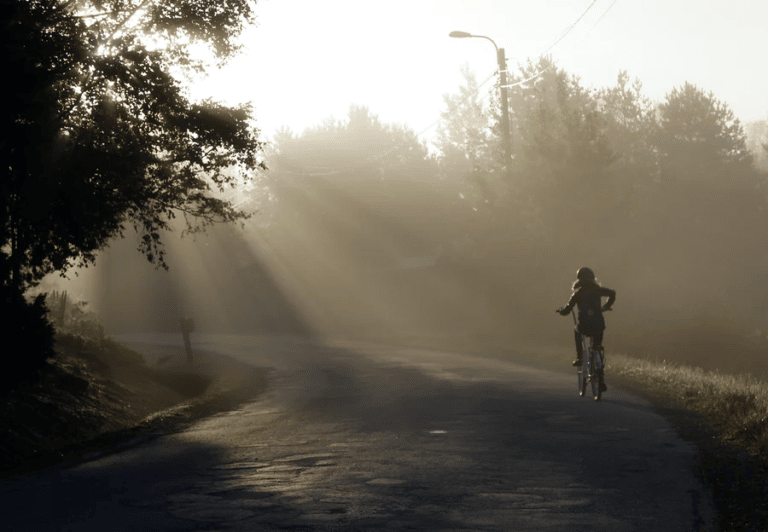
[(574, 312)]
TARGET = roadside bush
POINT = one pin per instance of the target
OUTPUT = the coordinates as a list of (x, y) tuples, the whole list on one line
[(29, 338)]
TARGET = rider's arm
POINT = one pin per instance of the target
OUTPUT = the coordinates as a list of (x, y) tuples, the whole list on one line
[(610, 294), (571, 303)]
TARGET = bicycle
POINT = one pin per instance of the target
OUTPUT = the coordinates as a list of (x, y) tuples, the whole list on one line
[(592, 365)]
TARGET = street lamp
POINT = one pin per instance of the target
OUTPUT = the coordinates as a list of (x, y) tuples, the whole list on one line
[(504, 102)]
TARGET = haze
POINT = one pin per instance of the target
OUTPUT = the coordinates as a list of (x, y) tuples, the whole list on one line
[(401, 256)]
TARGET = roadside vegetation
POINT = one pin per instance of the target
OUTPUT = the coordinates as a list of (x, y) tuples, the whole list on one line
[(726, 416), (98, 138), (88, 386), (94, 395)]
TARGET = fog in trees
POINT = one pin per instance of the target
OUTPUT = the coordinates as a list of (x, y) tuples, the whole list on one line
[(99, 137), (371, 234), (360, 228)]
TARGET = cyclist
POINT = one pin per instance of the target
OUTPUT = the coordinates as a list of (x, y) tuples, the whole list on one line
[(587, 294)]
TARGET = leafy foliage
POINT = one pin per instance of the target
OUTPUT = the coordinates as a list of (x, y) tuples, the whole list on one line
[(470, 147), (464, 135), (374, 169), (630, 125), (562, 156), (359, 145), (98, 133), (609, 178), (700, 139), (29, 337), (757, 143)]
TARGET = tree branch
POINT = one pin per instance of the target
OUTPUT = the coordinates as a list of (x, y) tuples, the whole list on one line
[(99, 14)]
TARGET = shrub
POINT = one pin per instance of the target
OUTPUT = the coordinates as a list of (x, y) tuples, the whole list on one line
[(29, 337)]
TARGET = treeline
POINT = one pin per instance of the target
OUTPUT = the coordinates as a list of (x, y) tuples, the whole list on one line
[(98, 136), (361, 226), (664, 200)]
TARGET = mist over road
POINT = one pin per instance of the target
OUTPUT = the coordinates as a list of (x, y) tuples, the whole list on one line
[(355, 436)]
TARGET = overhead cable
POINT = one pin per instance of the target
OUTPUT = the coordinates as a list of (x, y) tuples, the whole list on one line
[(538, 74), (569, 28)]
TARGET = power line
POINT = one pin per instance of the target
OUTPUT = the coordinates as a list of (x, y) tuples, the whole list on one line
[(569, 28), (598, 21), (538, 74)]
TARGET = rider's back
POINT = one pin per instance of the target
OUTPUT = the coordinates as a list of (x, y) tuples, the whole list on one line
[(587, 298)]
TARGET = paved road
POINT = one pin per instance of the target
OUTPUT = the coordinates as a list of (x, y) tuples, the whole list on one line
[(352, 436)]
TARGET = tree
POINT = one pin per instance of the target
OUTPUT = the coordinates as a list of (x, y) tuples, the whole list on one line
[(466, 142), (700, 140), (561, 176), (630, 127), (373, 165), (358, 146), (356, 199), (98, 133), (757, 143), (464, 130)]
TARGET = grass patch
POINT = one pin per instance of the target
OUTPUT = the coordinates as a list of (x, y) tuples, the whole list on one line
[(726, 416), (91, 387), (735, 406), (97, 396)]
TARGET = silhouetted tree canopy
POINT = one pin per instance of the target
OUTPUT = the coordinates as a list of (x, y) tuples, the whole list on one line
[(470, 150), (381, 176), (757, 143), (98, 134), (630, 126), (560, 176), (360, 145), (700, 140), (464, 134), (654, 195)]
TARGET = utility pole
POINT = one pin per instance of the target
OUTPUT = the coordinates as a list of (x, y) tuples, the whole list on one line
[(506, 135)]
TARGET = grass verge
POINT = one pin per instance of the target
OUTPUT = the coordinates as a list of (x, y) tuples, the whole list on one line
[(726, 416), (98, 396)]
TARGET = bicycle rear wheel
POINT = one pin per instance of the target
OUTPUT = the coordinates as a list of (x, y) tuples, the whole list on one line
[(594, 375)]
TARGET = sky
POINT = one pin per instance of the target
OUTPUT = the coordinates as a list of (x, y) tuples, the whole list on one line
[(308, 60)]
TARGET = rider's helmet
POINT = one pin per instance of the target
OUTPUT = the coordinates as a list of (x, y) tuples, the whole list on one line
[(585, 274)]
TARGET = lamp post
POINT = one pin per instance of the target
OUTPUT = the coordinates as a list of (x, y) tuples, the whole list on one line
[(501, 59)]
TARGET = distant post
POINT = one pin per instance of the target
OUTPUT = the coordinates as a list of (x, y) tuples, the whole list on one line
[(187, 327)]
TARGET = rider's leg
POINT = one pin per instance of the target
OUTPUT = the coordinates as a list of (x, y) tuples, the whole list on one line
[(598, 336)]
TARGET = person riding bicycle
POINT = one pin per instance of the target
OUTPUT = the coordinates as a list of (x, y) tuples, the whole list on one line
[(587, 294)]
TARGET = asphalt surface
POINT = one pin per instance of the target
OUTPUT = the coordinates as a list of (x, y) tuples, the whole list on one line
[(354, 436)]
